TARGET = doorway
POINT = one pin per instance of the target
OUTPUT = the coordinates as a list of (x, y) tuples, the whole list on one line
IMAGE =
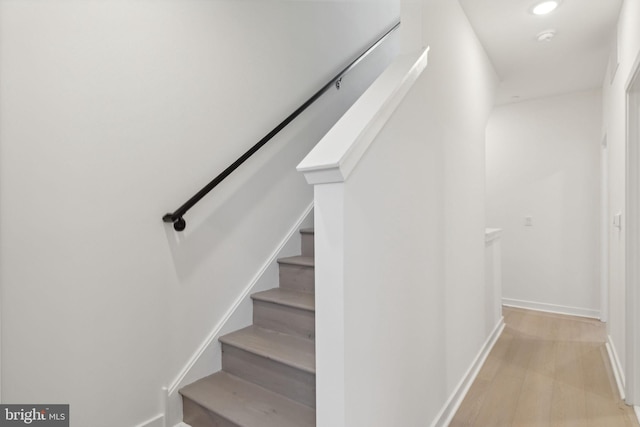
[(604, 231), (632, 239)]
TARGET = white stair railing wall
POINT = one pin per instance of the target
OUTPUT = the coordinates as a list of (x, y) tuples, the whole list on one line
[(376, 255)]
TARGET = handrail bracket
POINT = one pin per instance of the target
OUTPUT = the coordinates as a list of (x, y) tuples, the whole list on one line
[(179, 224)]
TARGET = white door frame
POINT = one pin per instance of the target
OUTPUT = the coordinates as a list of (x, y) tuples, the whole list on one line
[(604, 231), (632, 238)]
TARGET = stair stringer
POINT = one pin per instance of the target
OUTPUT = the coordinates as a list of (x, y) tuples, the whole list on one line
[(207, 359)]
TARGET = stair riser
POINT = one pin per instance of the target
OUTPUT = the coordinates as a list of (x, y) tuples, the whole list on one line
[(197, 416), (297, 278), (288, 320), (307, 244), (290, 382)]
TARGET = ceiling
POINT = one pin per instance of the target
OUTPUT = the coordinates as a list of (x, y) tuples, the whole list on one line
[(576, 59)]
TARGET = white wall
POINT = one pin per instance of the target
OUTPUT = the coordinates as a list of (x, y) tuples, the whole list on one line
[(543, 162), (441, 274), (461, 91), (493, 276), (615, 128), (113, 113), (408, 240), (458, 89)]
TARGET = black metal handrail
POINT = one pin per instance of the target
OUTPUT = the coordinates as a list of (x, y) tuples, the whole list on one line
[(176, 217)]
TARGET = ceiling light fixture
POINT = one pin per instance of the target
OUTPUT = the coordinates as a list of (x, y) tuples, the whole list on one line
[(545, 7), (546, 36)]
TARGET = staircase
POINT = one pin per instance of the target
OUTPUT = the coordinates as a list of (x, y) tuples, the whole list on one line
[(268, 369)]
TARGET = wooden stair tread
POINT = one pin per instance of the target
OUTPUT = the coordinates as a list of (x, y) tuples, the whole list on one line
[(301, 300), (247, 404), (302, 261), (287, 349)]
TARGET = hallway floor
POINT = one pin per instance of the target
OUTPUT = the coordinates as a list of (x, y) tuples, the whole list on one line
[(546, 370)]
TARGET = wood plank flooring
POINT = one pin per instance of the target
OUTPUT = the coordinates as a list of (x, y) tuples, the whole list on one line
[(546, 370)]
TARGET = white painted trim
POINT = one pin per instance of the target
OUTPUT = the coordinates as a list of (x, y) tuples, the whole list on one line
[(340, 150), (634, 74), (493, 283), (213, 335), (157, 421), (491, 234), (632, 236), (552, 308), (636, 409), (330, 293), (164, 402), (616, 366), (455, 400), (604, 230)]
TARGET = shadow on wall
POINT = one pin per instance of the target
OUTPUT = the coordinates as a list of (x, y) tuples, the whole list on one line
[(253, 197), (266, 190)]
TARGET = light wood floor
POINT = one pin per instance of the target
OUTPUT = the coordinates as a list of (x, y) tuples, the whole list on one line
[(546, 370)]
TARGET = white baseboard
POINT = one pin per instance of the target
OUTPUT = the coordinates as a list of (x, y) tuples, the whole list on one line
[(449, 410), (616, 366), (157, 421), (552, 308), (637, 411), (207, 358)]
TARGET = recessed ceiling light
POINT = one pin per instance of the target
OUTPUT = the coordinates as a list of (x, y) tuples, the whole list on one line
[(545, 7), (546, 36)]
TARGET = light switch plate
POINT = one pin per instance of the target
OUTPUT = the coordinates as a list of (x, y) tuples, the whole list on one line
[(617, 220)]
